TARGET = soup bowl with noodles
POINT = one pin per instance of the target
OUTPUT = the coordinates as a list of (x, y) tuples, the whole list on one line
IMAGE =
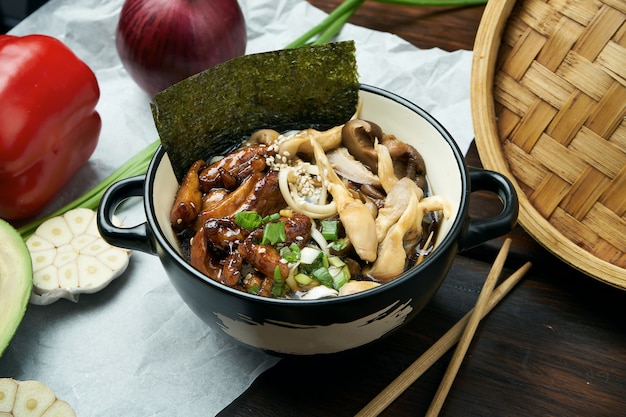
[(387, 266)]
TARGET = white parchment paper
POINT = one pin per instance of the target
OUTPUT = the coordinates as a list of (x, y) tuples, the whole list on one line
[(135, 349)]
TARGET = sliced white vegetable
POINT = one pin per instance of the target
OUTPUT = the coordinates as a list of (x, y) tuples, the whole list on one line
[(70, 257), (319, 292), (308, 255), (317, 236), (31, 399)]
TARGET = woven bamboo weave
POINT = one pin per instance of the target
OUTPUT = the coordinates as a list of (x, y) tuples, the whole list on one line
[(548, 97)]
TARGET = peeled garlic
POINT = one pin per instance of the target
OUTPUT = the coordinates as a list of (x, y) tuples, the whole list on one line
[(70, 257), (30, 399)]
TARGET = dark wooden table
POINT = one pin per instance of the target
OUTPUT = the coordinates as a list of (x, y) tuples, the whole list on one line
[(556, 346)]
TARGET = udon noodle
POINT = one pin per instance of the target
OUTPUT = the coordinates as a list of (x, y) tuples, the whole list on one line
[(309, 214)]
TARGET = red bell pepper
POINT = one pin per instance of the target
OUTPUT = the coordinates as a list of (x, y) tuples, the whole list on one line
[(48, 124)]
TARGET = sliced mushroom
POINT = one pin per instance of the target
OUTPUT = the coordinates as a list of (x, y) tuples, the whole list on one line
[(356, 218), (386, 173), (436, 203), (407, 161), (350, 168), (396, 203), (301, 143), (353, 287), (359, 137), (391, 259)]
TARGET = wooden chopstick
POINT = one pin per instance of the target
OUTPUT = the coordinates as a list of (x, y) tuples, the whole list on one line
[(468, 332), (437, 350)]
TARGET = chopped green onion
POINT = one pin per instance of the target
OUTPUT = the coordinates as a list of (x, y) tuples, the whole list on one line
[(290, 253), (278, 277), (279, 283), (325, 261), (319, 261), (274, 233), (309, 255), (323, 276), (254, 289), (340, 275), (249, 220), (271, 218), (338, 245), (303, 279), (330, 229), (336, 261)]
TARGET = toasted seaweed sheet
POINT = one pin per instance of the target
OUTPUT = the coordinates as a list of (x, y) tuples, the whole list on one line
[(213, 112)]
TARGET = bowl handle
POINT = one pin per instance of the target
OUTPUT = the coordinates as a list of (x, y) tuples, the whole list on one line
[(482, 230), (135, 238)]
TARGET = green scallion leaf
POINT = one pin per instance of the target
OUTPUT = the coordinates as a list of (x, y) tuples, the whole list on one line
[(278, 277), (290, 253), (279, 283), (338, 245), (320, 261), (271, 218), (330, 229), (249, 220), (341, 276), (303, 279), (323, 276), (329, 27), (274, 233)]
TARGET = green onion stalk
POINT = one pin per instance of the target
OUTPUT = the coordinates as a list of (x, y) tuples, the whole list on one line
[(323, 32), (329, 27)]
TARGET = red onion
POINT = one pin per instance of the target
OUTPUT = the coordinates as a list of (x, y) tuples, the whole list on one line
[(161, 42)]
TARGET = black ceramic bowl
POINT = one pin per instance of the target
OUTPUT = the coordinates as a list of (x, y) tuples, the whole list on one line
[(305, 327)]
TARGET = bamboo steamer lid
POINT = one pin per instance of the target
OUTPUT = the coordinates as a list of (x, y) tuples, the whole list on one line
[(548, 96)]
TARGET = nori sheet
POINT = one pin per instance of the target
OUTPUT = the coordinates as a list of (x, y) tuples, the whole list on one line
[(213, 112)]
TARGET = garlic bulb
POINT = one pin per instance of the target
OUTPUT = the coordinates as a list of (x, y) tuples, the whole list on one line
[(70, 257)]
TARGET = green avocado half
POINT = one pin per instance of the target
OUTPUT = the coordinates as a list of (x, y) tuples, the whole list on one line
[(16, 280)]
